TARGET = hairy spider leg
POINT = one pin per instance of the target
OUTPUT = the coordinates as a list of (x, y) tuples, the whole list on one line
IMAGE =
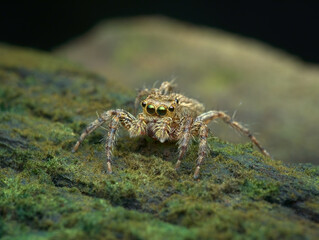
[(202, 148), (211, 115), (92, 126), (110, 140), (167, 87), (135, 126), (183, 142)]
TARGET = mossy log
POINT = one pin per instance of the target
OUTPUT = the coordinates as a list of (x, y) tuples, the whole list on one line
[(47, 192)]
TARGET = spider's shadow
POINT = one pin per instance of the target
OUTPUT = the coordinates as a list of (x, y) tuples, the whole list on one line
[(148, 147)]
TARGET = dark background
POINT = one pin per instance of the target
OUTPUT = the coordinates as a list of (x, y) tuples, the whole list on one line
[(289, 25)]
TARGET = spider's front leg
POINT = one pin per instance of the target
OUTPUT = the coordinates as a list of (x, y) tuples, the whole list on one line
[(193, 128), (113, 126), (127, 120), (201, 129), (184, 138), (134, 126)]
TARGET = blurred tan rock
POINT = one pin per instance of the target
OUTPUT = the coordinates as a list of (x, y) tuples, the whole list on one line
[(275, 94)]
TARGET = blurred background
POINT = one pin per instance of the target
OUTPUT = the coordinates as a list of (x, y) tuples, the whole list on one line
[(258, 59)]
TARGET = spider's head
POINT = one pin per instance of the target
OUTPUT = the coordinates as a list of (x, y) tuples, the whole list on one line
[(159, 107)]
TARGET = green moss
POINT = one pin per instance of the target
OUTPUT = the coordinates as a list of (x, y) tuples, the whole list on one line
[(258, 189), (47, 192)]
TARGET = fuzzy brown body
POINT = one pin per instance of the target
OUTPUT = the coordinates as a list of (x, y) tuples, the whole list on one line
[(166, 116)]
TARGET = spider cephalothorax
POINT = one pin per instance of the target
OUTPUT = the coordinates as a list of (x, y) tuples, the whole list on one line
[(166, 116), (159, 108)]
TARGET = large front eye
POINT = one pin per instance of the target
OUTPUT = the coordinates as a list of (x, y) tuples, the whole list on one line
[(161, 111), (150, 109)]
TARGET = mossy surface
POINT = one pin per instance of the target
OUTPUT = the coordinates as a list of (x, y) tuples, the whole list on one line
[(49, 193)]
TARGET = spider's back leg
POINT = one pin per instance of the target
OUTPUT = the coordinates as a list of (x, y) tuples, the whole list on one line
[(92, 126), (211, 115), (167, 87)]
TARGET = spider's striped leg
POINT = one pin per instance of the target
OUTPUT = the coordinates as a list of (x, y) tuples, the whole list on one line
[(134, 126), (113, 126), (185, 136), (211, 115), (92, 126), (127, 120), (202, 149)]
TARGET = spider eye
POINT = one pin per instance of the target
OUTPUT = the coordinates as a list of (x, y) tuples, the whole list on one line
[(150, 109), (161, 111), (171, 108), (143, 104), (176, 100)]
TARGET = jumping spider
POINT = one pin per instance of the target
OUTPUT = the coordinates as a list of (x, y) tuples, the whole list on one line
[(166, 116)]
